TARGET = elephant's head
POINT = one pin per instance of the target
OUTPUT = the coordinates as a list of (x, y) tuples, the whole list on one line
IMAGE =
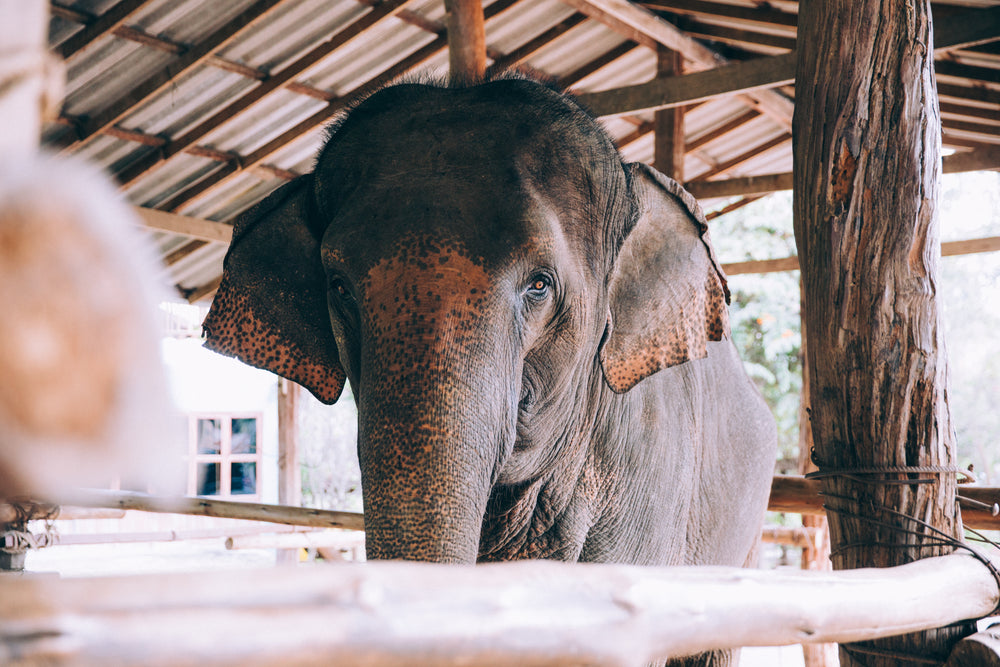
[(482, 266)]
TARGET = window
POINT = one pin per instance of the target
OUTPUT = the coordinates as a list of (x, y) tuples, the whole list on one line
[(224, 456)]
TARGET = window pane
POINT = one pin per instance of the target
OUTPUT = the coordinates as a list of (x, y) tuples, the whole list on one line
[(209, 436), (245, 436), (208, 479), (244, 478)]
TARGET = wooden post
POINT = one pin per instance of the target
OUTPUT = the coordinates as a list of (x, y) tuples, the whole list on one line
[(668, 147), (289, 473), (466, 40), (867, 162)]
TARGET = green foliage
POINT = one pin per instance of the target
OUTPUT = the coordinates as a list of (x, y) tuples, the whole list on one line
[(766, 327), (765, 310)]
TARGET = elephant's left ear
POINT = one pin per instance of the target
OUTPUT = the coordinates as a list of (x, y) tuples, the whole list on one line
[(270, 310), (667, 292)]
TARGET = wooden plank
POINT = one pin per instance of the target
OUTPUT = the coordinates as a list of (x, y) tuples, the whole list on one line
[(114, 17), (741, 77), (641, 25), (530, 48), (13, 513), (289, 470), (761, 16), (162, 79), (597, 64), (979, 650), (971, 28), (734, 187), (948, 249), (466, 39), (199, 506), (742, 38), (982, 159), (278, 80), (523, 613), (195, 228)]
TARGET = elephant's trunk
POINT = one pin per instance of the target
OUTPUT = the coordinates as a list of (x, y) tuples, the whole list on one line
[(435, 411), (427, 469)]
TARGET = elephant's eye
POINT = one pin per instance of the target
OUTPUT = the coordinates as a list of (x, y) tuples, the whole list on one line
[(341, 291), (539, 286)]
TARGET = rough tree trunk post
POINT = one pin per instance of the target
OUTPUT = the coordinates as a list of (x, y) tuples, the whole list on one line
[(466, 39), (867, 161), (668, 148)]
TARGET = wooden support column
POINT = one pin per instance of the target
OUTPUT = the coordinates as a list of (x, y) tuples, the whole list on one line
[(289, 472), (466, 39), (867, 165), (668, 147)]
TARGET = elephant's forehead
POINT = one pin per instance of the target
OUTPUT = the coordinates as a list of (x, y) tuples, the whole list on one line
[(427, 285)]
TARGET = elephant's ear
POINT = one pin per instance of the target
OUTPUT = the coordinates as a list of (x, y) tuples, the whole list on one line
[(271, 308), (667, 292)]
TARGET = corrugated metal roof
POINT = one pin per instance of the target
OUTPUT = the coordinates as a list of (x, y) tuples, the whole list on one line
[(229, 168)]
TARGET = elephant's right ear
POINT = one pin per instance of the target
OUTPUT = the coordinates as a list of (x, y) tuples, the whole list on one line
[(271, 308)]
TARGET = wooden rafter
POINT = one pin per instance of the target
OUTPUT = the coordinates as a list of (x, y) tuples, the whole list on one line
[(106, 23), (740, 77), (977, 160), (762, 16), (278, 80), (627, 18), (163, 78)]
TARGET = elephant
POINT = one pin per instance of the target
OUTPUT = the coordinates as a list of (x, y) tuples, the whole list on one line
[(536, 333)]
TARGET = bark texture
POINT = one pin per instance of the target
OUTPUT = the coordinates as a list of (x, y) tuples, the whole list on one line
[(867, 164)]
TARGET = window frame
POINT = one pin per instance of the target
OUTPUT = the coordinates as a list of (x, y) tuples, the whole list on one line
[(225, 458)]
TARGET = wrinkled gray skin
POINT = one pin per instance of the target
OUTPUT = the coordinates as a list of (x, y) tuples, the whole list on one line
[(506, 298)]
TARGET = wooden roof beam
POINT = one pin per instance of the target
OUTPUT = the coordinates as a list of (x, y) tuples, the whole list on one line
[(281, 79), (629, 19), (79, 41), (763, 16), (983, 159), (334, 106), (162, 79), (753, 78), (193, 228), (740, 77)]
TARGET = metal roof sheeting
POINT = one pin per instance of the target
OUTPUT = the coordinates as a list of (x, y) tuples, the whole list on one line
[(253, 152)]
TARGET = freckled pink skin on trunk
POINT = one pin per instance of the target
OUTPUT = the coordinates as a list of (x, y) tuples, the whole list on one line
[(428, 452)]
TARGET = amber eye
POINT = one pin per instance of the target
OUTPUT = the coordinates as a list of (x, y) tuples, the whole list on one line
[(538, 286), (339, 287)]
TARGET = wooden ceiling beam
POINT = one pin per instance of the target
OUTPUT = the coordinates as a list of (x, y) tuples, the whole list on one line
[(764, 16), (740, 77), (752, 78), (625, 17), (968, 73), (597, 64), (968, 29), (732, 125), (644, 27), (220, 176), (193, 228), (79, 41), (738, 36), (281, 79), (162, 79), (982, 159), (526, 51)]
